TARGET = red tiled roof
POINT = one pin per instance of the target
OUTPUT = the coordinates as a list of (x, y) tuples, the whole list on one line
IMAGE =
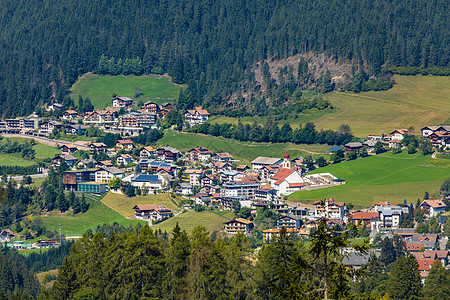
[(281, 175), (414, 246), (359, 215), (124, 142), (224, 155), (425, 264)]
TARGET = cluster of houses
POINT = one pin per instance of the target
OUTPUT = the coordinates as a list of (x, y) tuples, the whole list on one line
[(383, 219), (133, 121), (439, 136)]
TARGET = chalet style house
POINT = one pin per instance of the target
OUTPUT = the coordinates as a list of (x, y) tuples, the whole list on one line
[(239, 225), (124, 145), (150, 107), (197, 116), (122, 102)]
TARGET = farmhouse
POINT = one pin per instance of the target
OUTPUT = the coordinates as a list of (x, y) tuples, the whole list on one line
[(398, 134), (124, 102), (434, 207), (353, 146), (153, 212), (97, 147), (124, 145), (147, 152), (223, 157), (68, 149), (197, 116)]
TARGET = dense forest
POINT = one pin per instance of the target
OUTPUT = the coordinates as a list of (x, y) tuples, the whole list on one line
[(211, 45), (145, 265)]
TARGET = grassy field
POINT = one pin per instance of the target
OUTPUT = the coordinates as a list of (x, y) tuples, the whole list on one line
[(244, 151), (414, 101), (385, 177), (97, 214), (15, 159), (189, 220), (99, 88), (124, 205)]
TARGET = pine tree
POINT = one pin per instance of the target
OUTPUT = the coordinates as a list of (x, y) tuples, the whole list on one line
[(404, 283), (437, 284), (63, 203)]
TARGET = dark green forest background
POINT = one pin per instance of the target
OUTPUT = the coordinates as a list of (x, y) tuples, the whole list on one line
[(45, 45)]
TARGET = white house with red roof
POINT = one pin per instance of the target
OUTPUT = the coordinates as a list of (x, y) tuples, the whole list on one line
[(434, 207), (286, 181), (199, 153), (398, 134), (197, 116)]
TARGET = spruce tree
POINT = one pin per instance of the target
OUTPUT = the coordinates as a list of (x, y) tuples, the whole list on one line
[(405, 283)]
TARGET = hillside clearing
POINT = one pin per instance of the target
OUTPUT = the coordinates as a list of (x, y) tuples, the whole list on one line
[(99, 88), (97, 214), (124, 205), (414, 101)]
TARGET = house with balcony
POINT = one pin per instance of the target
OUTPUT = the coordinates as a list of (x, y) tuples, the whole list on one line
[(196, 116), (331, 209), (239, 225)]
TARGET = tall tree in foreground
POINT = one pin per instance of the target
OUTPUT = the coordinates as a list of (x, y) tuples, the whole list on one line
[(437, 284), (327, 248), (405, 283)]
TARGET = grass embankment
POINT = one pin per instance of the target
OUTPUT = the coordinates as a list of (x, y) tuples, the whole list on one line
[(124, 205), (97, 214), (15, 159), (244, 151), (414, 101), (385, 177), (99, 88), (189, 220)]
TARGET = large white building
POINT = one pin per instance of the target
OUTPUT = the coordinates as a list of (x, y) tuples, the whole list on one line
[(286, 181), (331, 209)]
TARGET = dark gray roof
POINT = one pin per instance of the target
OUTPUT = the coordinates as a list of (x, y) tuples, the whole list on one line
[(355, 259), (146, 178)]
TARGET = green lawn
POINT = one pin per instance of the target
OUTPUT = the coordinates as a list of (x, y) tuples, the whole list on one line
[(42, 152), (124, 205), (99, 88), (385, 177), (13, 160), (189, 220), (414, 101), (97, 214), (244, 151)]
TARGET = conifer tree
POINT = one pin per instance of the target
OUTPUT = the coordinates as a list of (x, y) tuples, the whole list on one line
[(404, 283)]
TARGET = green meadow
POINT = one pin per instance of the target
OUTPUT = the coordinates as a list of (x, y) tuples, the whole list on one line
[(414, 101), (386, 177), (15, 159), (124, 205), (97, 214), (189, 220), (244, 151), (99, 88)]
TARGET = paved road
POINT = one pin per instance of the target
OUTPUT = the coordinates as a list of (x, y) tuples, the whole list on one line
[(45, 141), (19, 178)]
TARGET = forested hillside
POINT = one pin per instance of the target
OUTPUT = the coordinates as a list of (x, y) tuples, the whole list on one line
[(211, 45)]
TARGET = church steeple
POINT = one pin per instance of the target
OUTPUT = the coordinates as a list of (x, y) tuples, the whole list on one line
[(286, 161)]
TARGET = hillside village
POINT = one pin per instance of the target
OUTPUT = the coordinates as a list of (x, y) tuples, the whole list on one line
[(203, 179)]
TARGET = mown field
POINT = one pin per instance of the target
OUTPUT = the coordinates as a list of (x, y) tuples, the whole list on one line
[(15, 159), (97, 214), (124, 205), (99, 88), (414, 101), (385, 177), (189, 220), (244, 151)]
